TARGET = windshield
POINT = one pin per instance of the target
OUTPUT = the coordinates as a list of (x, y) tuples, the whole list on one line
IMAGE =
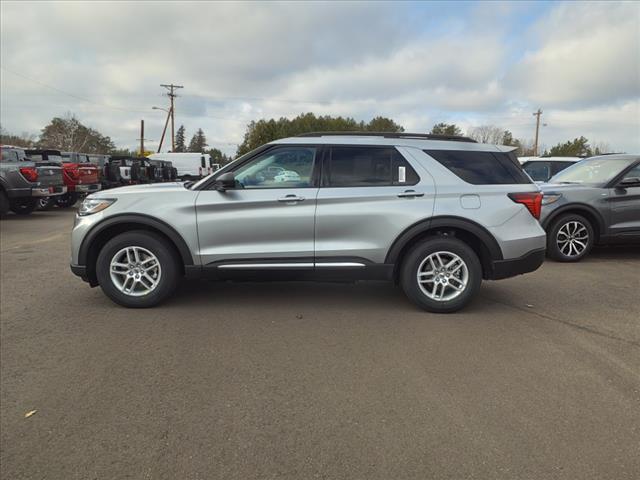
[(596, 170)]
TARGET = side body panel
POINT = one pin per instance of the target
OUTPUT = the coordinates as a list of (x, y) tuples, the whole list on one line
[(511, 224), (363, 222), (255, 224)]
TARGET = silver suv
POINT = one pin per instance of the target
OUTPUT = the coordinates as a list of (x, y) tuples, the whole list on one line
[(434, 214)]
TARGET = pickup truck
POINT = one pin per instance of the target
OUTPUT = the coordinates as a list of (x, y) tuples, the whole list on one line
[(24, 182), (80, 176)]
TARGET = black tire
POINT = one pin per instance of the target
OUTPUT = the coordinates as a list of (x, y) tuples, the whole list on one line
[(23, 206), (566, 222), (419, 253), (4, 203), (170, 270), (67, 200), (46, 203)]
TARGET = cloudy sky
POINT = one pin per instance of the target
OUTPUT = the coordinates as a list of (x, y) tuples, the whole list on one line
[(419, 63)]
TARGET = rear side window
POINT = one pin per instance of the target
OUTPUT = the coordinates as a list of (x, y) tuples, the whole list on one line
[(9, 155), (538, 171), (368, 166), (559, 166), (482, 168)]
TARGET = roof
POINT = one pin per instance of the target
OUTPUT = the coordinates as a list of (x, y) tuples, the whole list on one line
[(424, 142)]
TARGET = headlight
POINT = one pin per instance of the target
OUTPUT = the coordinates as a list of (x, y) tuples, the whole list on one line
[(94, 205), (550, 198)]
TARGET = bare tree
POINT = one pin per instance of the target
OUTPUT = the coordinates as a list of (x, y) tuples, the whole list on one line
[(487, 134)]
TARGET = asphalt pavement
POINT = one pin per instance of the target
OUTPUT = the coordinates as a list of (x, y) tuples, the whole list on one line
[(538, 379)]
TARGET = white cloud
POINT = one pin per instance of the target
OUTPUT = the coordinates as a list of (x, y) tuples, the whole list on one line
[(590, 55), (243, 61)]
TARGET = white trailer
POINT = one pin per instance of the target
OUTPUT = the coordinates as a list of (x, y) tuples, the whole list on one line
[(189, 165)]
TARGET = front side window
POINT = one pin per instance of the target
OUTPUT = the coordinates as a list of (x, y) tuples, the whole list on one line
[(594, 171), (290, 167), (368, 166)]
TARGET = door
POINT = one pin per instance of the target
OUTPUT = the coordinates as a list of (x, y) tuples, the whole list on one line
[(625, 204), (368, 196), (268, 218)]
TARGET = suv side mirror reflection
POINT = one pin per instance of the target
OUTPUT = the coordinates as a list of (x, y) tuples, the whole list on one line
[(629, 182), (226, 181)]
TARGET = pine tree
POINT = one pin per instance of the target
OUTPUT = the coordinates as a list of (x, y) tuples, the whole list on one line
[(180, 146), (198, 142)]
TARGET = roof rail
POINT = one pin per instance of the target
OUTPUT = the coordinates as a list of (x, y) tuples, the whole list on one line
[(419, 136)]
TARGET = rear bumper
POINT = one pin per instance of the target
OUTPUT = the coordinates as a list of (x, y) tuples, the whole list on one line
[(48, 191), (94, 187), (517, 266)]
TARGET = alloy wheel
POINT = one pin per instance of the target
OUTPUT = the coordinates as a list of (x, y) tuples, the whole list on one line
[(443, 276), (135, 271), (572, 238)]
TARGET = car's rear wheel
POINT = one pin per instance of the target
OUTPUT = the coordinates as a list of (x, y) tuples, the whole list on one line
[(67, 200), (441, 275), (570, 238), (23, 206), (137, 269)]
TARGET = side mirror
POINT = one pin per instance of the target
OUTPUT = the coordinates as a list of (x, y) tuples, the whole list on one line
[(629, 182), (226, 181)]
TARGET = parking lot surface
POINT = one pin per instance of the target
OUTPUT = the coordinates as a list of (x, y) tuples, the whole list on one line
[(539, 378)]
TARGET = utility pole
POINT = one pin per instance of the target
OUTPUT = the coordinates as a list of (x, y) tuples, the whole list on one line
[(535, 144), (142, 138), (172, 95)]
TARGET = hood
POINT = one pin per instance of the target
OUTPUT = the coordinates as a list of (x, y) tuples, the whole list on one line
[(565, 187), (141, 189)]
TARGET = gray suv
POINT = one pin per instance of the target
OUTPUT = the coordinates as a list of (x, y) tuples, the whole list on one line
[(433, 214), (23, 183), (595, 201)]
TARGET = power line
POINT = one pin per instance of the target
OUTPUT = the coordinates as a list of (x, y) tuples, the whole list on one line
[(72, 95)]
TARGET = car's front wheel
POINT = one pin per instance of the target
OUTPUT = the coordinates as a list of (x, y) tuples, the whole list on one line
[(137, 269), (570, 238), (441, 275)]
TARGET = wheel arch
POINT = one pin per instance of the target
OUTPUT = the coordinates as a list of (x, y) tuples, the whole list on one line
[(473, 234), (587, 211), (102, 232)]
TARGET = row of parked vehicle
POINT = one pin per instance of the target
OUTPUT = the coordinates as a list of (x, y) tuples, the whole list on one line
[(43, 178)]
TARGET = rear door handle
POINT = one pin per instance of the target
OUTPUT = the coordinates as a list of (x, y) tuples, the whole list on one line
[(290, 198), (410, 194)]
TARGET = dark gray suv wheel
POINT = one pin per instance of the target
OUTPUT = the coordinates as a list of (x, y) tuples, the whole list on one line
[(570, 238)]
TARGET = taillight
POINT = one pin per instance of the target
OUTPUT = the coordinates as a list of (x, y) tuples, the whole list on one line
[(531, 200), (30, 173)]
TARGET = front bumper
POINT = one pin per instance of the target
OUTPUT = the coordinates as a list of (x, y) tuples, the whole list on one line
[(48, 191), (517, 266)]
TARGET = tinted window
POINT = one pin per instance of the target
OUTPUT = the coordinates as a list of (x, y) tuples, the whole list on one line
[(290, 167), (367, 166), (482, 168), (538, 171), (559, 166), (9, 155)]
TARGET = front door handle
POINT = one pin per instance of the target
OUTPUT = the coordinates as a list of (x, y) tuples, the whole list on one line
[(410, 194), (290, 199)]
